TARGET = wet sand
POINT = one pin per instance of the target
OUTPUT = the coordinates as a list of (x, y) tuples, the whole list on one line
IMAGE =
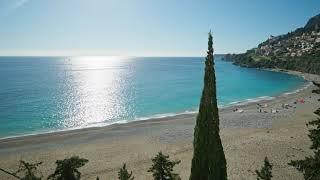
[(247, 138)]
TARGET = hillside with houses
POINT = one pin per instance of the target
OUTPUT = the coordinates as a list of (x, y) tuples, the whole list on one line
[(298, 50)]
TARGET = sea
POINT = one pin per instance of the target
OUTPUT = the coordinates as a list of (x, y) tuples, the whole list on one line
[(47, 94)]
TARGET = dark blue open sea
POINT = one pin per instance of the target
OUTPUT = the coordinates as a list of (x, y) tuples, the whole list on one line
[(43, 94)]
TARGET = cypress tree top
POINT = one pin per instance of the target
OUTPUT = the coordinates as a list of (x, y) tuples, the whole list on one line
[(208, 157)]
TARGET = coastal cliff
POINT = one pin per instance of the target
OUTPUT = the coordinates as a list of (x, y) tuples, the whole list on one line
[(298, 50)]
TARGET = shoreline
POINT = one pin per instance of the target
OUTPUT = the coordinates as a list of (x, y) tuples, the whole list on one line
[(246, 102), (247, 138)]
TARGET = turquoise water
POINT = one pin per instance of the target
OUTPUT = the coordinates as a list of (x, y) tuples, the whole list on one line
[(41, 94)]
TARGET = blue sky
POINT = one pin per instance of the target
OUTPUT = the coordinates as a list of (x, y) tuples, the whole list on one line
[(144, 27)]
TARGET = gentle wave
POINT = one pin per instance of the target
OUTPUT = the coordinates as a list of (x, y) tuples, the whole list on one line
[(165, 115), (298, 90), (251, 100), (267, 98)]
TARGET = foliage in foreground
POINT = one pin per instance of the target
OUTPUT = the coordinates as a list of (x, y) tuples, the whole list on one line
[(67, 169), (310, 166), (162, 168), (208, 160), (28, 170), (266, 171), (123, 173)]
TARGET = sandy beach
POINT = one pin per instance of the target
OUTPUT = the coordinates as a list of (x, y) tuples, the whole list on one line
[(247, 138)]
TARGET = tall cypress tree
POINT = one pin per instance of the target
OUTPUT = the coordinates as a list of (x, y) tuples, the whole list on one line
[(208, 161)]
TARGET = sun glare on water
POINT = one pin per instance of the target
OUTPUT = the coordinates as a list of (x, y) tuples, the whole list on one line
[(97, 86)]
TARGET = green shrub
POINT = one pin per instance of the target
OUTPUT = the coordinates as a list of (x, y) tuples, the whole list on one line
[(123, 173), (266, 171), (162, 168), (67, 169)]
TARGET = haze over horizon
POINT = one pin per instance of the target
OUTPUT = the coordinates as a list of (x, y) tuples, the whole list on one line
[(144, 28)]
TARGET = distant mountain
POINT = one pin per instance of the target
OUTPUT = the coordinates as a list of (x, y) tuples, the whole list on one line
[(313, 23), (298, 50)]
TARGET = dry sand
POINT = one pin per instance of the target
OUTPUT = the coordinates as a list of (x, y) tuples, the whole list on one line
[(247, 138)]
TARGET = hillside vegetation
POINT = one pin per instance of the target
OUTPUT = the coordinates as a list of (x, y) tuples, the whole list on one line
[(298, 50)]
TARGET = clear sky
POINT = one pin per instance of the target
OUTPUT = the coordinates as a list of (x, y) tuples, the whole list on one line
[(144, 27)]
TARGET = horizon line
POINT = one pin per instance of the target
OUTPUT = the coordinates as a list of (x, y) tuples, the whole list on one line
[(217, 54), (98, 53)]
